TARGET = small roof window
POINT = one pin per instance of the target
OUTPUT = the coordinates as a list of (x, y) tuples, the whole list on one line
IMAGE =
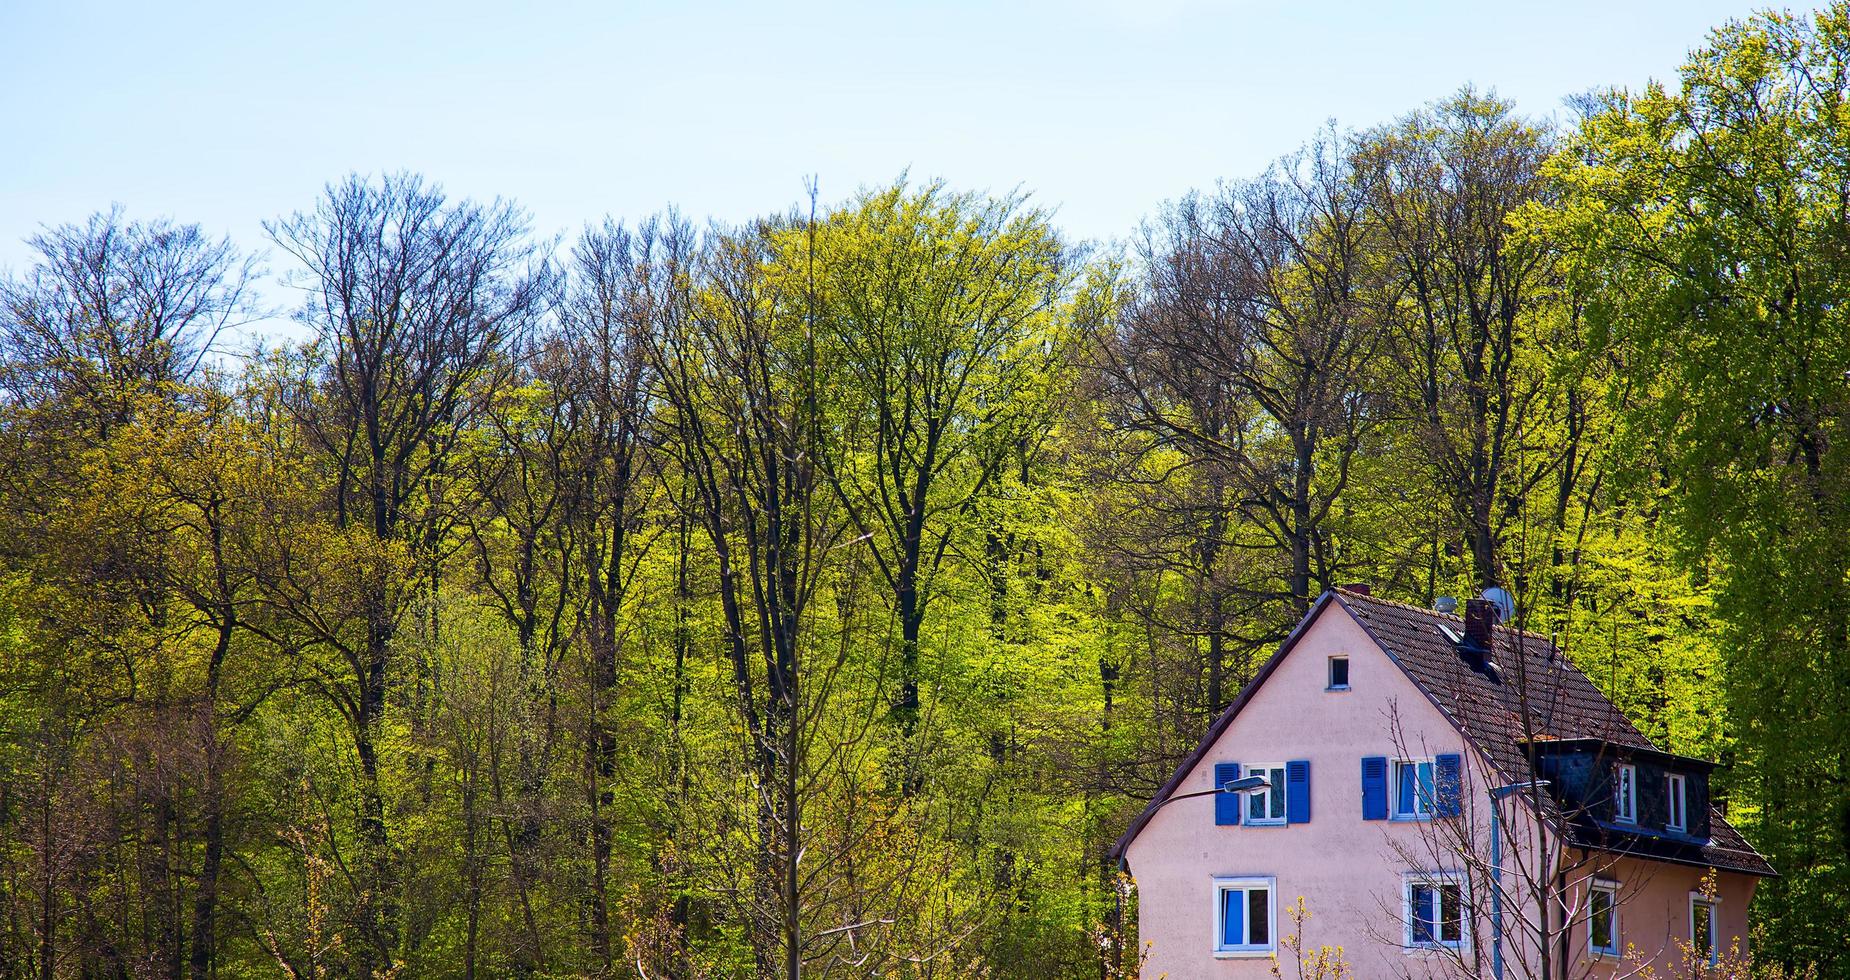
[(1339, 674)]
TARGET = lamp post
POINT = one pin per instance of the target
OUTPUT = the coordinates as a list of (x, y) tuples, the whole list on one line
[(1497, 794), (1242, 786)]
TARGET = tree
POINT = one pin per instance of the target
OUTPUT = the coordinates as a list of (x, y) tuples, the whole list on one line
[(1707, 222), (413, 302), (1240, 365), (741, 380), (125, 470), (940, 317), (619, 291), (1522, 888), (1469, 321), (111, 312)]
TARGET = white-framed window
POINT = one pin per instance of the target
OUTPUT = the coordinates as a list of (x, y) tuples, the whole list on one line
[(1625, 794), (1413, 789), (1702, 935), (1339, 674), (1603, 918), (1243, 916), (1433, 910), (1677, 803), (1266, 807)]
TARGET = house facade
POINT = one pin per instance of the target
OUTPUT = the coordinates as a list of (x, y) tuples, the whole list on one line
[(1441, 793)]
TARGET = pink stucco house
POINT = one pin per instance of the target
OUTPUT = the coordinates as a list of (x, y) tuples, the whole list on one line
[(1447, 797)]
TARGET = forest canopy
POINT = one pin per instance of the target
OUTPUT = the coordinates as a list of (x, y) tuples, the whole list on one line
[(832, 588)]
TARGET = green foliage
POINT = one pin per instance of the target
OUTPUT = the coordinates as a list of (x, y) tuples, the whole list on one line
[(899, 541), (1706, 223)]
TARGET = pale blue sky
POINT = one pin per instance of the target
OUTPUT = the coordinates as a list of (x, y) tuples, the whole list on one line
[(230, 113)]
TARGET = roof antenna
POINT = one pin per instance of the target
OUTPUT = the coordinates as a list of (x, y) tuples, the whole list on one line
[(1505, 603)]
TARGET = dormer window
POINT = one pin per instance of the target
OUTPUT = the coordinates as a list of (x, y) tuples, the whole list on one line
[(1339, 674), (1625, 795), (1677, 801)]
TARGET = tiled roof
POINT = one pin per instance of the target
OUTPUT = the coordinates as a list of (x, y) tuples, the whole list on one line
[(1562, 703), (1488, 708)]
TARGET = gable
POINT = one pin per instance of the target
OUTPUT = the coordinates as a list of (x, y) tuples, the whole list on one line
[(1286, 713), (1294, 708)]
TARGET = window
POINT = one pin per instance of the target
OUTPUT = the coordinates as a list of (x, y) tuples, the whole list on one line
[(1413, 789), (1339, 673), (1242, 915), (1702, 927), (1603, 919), (1625, 795), (1266, 806), (1434, 911), (1677, 805)]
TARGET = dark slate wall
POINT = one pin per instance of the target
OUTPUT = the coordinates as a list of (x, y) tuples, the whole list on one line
[(1699, 805), (1653, 796), (1577, 781), (1585, 778)]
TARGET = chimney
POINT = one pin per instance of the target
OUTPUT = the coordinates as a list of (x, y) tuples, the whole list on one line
[(1480, 616), (1359, 588)]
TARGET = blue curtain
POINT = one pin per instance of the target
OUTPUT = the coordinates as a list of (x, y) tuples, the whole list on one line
[(1233, 918), (1422, 914)]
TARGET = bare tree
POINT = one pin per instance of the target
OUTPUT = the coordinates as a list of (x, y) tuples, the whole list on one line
[(1241, 363), (1500, 847), (413, 301), (114, 310), (621, 287)]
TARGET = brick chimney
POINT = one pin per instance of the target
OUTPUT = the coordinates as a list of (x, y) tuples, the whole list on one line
[(1359, 588), (1480, 616)]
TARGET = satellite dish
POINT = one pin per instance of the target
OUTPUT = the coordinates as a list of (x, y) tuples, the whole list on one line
[(1505, 603), (1445, 604)]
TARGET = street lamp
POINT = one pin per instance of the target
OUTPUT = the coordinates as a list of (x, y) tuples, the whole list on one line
[(1496, 867), (1245, 784), (1242, 786)]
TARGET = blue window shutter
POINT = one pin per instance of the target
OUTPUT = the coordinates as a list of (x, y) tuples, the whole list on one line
[(1297, 791), (1374, 788), (1448, 791), (1226, 805)]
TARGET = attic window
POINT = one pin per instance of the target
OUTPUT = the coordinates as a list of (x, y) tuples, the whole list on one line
[(1339, 674)]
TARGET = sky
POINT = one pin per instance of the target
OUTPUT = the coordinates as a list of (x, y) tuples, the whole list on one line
[(228, 114)]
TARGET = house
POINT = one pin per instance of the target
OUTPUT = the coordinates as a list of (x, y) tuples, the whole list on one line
[(1404, 753)]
